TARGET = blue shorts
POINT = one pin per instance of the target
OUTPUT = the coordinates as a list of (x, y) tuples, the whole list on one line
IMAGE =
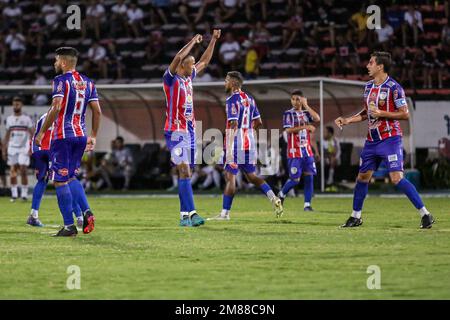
[(388, 151), (66, 157), (244, 161), (297, 166), (181, 146), (41, 160)]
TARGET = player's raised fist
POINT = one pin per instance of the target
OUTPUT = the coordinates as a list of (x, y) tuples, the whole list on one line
[(216, 33), (340, 122), (198, 38)]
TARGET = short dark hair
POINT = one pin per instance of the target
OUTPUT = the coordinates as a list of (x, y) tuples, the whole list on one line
[(119, 138), (237, 76), (67, 51), (297, 92), (384, 58), (17, 98), (330, 130)]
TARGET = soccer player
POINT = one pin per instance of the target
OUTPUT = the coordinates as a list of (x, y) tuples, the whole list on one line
[(243, 119), (19, 129), (180, 121), (72, 94), (297, 123), (41, 157), (384, 105)]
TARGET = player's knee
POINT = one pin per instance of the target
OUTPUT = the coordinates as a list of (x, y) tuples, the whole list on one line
[(364, 177), (396, 177)]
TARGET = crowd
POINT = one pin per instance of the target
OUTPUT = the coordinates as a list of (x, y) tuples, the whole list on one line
[(263, 38)]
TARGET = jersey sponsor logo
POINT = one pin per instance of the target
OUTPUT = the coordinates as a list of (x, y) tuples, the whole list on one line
[(59, 88), (390, 83), (393, 164), (63, 172), (392, 157), (233, 109), (383, 95), (395, 94)]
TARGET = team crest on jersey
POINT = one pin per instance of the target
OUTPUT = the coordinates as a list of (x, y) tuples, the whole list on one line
[(373, 95), (189, 99), (63, 172), (383, 95), (294, 170)]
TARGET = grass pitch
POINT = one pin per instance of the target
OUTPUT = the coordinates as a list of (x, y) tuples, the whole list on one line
[(137, 251)]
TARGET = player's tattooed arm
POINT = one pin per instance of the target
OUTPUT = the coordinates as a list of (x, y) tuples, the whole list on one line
[(230, 134), (207, 55), (360, 116), (50, 118), (183, 53)]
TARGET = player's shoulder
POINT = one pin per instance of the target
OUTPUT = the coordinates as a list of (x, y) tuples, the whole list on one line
[(392, 83), (289, 111), (60, 77)]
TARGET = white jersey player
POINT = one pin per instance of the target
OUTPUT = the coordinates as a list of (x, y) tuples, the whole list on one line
[(16, 149)]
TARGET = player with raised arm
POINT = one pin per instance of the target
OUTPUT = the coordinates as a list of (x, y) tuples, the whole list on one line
[(72, 94), (384, 105), (179, 129), (243, 119), (16, 149), (297, 123)]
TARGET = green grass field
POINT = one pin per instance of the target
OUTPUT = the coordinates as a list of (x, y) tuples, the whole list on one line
[(137, 251)]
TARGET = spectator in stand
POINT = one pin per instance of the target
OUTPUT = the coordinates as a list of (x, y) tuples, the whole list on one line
[(324, 24), (35, 40), (251, 60), (188, 7), (358, 25), (428, 66), (346, 57), (445, 34), (440, 64), (385, 35), (119, 18), (51, 12), (413, 25), (96, 60), (394, 17), (135, 19), (292, 27), (230, 52), (114, 60), (16, 43), (155, 47), (311, 59), (260, 36), (229, 8), (40, 99), (160, 9), (12, 15), (260, 13), (117, 164), (207, 4), (95, 17), (3, 50)]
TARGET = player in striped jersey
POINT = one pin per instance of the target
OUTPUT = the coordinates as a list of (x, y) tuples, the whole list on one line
[(41, 159), (19, 129), (297, 123), (72, 94), (179, 129), (243, 119), (384, 105)]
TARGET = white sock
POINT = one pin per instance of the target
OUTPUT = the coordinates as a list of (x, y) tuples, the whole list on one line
[(14, 191), (271, 195), (175, 181), (307, 204), (24, 191), (34, 213), (423, 211), (225, 212), (183, 215), (192, 213), (330, 176), (356, 214), (281, 194)]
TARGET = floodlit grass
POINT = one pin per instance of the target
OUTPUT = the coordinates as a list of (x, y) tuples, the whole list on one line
[(137, 251)]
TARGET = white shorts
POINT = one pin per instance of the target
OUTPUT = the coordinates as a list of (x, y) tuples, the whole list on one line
[(23, 159)]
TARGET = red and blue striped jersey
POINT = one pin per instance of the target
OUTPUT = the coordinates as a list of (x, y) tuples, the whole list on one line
[(299, 144), (46, 140), (242, 107), (388, 96), (179, 102), (76, 91)]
